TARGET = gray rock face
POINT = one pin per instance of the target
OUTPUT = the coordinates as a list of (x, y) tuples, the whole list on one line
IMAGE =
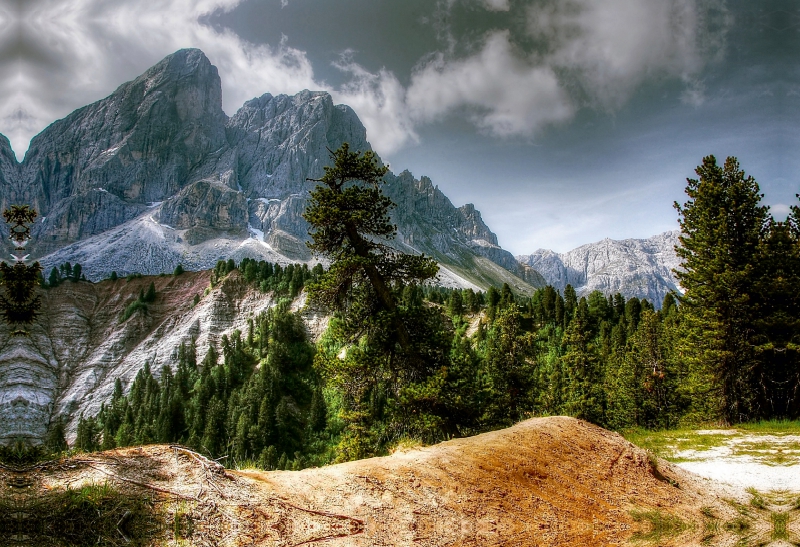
[(282, 141), (206, 204), (9, 172), (631, 267), (157, 174), (428, 222), (141, 144)]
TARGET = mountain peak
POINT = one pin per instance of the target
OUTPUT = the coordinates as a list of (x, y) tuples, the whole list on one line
[(183, 62), (633, 267)]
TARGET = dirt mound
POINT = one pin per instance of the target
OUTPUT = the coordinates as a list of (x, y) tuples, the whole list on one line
[(546, 481)]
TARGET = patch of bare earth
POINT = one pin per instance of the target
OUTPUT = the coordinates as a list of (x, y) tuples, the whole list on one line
[(546, 481)]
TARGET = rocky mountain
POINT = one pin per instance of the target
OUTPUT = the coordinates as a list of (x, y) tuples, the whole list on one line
[(633, 267), (157, 174)]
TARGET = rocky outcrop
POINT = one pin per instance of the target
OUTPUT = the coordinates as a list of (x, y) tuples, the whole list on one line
[(633, 267), (204, 207), (158, 172), (428, 222), (282, 141), (9, 172)]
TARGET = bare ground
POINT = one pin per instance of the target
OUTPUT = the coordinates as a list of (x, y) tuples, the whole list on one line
[(546, 481)]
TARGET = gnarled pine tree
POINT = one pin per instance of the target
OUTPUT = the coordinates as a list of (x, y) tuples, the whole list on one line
[(396, 348)]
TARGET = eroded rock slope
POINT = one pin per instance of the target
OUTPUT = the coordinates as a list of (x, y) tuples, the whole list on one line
[(78, 348)]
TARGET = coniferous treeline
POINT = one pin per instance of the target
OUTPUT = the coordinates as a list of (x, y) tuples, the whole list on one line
[(271, 397), (64, 272), (257, 399), (408, 362)]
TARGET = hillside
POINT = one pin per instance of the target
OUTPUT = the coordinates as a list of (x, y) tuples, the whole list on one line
[(81, 345), (553, 482)]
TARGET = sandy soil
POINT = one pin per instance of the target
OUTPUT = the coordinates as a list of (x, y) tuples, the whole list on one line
[(544, 482)]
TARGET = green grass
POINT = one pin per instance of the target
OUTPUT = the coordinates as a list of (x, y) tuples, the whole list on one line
[(93, 514), (662, 525), (779, 521), (757, 500), (772, 427), (666, 443)]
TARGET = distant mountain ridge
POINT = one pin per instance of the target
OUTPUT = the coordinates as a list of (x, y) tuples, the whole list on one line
[(157, 174), (633, 267)]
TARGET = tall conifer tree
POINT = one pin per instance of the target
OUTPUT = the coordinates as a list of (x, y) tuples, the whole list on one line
[(722, 226)]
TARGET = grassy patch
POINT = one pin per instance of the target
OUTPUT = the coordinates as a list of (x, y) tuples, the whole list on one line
[(661, 525), (769, 452), (772, 427), (742, 509), (737, 526), (666, 443), (779, 521), (93, 514), (756, 500)]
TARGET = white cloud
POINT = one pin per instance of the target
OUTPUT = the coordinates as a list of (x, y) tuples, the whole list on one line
[(593, 53), (513, 95), (380, 102), (780, 211), (610, 47), (58, 55)]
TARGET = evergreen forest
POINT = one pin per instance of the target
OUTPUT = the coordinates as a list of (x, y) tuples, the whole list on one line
[(405, 362)]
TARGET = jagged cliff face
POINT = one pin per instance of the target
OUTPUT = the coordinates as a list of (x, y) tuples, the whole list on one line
[(103, 164), (80, 345), (633, 267), (8, 173), (156, 174)]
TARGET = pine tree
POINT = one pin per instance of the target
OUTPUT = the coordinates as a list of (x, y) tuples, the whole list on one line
[(398, 345), (776, 322), (56, 440), (722, 225), (583, 393)]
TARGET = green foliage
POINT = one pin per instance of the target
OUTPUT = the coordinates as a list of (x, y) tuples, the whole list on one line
[(722, 227), (395, 350), (88, 434), (178, 270), (259, 400), (405, 361), (56, 442)]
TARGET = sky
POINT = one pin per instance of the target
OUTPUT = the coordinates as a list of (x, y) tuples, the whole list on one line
[(563, 121)]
